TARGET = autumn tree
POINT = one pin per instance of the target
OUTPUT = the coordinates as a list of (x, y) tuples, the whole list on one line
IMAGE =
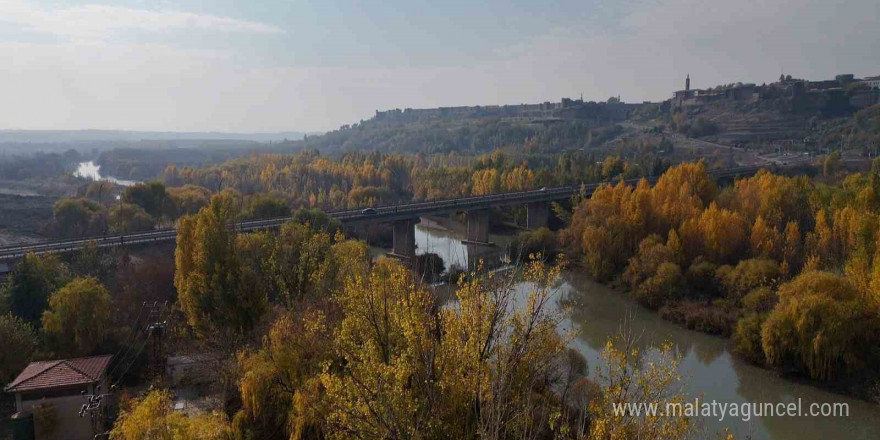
[(681, 193), (385, 341), (765, 241), (153, 418), (748, 275), (607, 227), (215, 297), (189, 199), (281, 382), (724, 233), (822, 327), (628, 376), (78, 317), (653, 274)]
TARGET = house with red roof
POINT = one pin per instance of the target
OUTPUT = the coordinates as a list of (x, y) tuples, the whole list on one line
[(49, 399)]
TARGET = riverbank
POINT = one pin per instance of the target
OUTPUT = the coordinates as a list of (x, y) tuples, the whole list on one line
[(711, 370), (719, 318)]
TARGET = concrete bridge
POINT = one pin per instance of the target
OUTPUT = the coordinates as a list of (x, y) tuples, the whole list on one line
[(403, 217)]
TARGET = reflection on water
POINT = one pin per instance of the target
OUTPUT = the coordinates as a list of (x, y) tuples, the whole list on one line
[(91, 170), (711, 371), (447, 244)]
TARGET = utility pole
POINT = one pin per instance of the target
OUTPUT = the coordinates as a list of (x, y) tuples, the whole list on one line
[(94, 407), (156, 332)]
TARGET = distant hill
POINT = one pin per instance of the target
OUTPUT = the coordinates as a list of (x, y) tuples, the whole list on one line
[(64, 136)]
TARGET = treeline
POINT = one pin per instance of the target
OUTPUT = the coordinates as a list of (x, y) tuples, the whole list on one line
[(787, 265), (275, 185), (443, 136), (144, 160), (38, 165), (365, 179)]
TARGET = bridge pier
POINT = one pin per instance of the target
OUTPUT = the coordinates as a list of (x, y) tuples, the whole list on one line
[(478, 228), (537, 215), (404, 239)]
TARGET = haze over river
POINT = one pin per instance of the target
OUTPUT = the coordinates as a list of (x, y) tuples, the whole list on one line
[(711, 371)]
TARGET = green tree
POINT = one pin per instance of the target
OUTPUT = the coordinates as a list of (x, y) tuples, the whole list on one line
[(152, 197), (30, 284), (318, 220), (78, 317), (19, 342), (126, 217), (79, 217), (267, 206)]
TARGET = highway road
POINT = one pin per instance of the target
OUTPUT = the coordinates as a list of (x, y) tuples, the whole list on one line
[(380, 214)]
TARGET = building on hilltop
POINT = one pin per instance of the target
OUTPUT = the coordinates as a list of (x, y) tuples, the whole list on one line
[(697, 97), (872, 81)]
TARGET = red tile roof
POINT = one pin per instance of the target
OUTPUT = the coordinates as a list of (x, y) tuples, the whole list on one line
[(64, 373)]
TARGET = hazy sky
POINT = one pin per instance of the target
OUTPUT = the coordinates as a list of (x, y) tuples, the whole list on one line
[(261, 65)]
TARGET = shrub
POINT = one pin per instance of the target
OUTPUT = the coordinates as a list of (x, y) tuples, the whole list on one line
[(659, 288), (715, 319), (540, 241), (748, 275), (700, 277), (429, 266), (760, 300), (747, 338)]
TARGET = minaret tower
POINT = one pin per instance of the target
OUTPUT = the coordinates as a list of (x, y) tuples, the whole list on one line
[(687, 83)]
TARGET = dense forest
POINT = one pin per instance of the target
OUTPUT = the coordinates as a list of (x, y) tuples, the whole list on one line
[(786, 265)]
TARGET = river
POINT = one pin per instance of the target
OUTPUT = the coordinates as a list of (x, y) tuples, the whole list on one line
[(711, 371), (91, 170)]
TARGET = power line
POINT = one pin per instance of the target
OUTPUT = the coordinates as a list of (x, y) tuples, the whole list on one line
[(159, 324), (130, 340)]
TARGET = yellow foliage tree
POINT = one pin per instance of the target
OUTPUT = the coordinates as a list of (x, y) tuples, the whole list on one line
[(766, 241), (822, 326), (724, 233), (78, 317), (629, 376), (152, 418)]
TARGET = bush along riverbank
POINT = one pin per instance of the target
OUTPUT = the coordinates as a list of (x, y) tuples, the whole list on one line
[(787, 267)]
